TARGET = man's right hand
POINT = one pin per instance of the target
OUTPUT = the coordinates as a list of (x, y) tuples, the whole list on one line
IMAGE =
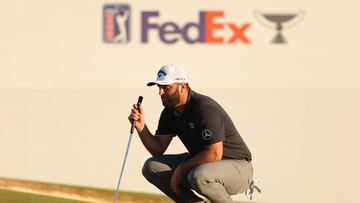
[(157, 144), (138, 116)]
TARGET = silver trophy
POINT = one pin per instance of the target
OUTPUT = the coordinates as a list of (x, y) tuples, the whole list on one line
[(278, 22)]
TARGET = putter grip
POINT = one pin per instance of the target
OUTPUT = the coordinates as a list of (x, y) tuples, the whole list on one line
[(133, 122)]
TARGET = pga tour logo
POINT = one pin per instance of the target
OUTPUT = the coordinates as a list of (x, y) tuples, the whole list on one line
[(116, 21)]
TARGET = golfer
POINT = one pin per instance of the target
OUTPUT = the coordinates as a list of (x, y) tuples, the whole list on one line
[(218, 162)]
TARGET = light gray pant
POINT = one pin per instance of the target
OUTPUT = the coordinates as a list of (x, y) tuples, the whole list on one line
[(216, 181)]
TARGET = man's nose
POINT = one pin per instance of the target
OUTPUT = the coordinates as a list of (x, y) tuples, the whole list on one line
[(161, 91)]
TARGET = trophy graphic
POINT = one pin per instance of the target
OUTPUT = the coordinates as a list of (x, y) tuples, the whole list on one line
[(279, 21)]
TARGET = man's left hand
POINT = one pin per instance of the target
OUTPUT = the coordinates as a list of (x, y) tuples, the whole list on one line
[(176, 180)]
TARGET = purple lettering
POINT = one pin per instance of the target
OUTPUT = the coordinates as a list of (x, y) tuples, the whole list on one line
[(169, 28), (186, 32), (146, 25)]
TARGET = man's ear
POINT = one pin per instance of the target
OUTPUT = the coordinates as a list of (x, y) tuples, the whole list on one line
[(182, 87)]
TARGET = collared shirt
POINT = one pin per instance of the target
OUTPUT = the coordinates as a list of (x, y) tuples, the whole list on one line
[(202, 123)]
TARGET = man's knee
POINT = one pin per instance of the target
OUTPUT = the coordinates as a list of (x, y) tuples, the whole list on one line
[(153, 167), (198, 178), (148, 166)]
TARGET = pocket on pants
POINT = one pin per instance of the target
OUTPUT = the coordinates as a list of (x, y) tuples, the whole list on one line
[(245, 169)]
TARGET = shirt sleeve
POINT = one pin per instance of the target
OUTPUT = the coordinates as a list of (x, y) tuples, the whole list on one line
[(164, 124), (212, 127)]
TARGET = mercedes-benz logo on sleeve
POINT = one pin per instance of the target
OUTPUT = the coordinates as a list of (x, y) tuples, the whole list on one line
[(206, 134)]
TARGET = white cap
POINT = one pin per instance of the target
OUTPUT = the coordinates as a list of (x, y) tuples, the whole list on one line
[(169, 74)]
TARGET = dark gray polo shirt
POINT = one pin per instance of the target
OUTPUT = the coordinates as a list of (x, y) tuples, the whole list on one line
[(203, 123)]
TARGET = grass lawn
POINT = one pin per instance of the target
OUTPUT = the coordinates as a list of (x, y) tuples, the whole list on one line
[(89, 194), (20, 197)]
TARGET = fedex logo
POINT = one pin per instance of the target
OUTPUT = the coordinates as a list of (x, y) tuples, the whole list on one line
[(170, 32)]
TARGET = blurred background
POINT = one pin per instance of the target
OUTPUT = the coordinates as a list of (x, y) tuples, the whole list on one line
[(71, 70)]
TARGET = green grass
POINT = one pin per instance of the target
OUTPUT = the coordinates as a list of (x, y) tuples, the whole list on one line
[(7, 196), (21, 197), (85, 192)]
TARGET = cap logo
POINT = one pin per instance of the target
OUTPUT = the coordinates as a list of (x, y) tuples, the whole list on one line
[(161, 73), (206, 134), (180, 79)]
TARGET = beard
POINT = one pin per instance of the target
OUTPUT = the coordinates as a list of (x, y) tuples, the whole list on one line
[(171, 101)]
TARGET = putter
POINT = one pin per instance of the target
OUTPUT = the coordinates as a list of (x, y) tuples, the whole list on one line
[(127, 151)]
